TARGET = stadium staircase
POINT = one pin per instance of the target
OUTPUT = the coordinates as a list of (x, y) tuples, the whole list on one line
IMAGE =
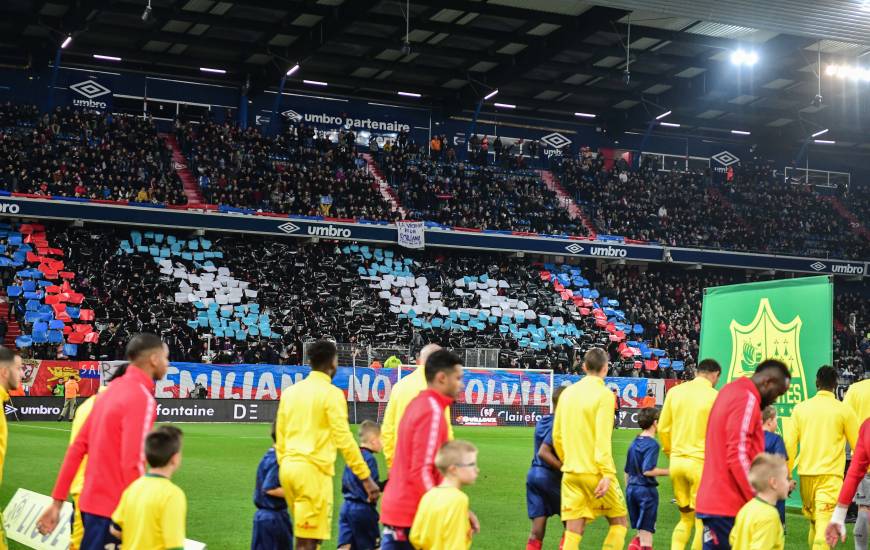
[(179, 162), (553, 184), (387, 192), (13, 331), (853, 220)]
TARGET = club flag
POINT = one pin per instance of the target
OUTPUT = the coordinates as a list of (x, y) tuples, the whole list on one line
[(790, 320)]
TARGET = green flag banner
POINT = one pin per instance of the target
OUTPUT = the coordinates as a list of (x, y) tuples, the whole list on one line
[(790, 320)]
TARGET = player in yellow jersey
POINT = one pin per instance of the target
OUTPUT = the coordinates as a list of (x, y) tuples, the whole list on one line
[(757, 525), (858, 399), (311, 425), (403, 392), (152, 512), (821, 425), (682, 431), (10, 378), (582, 432)]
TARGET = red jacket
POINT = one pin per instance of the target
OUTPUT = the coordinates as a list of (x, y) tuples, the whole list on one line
[(421, 433), (113, 438), (858, 468), (734, 439)]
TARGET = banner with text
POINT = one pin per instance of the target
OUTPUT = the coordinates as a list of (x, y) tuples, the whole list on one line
[(359, 384)]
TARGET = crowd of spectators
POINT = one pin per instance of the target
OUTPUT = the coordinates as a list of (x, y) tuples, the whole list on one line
[(474, 195), (314, 290), (751, 210), (85, 154), (852, 335), (803, 220), (301, 171)]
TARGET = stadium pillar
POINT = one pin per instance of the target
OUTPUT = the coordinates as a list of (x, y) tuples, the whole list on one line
[(243, 110), (276, 107), (49, 94), (471, 129), (635, 163)]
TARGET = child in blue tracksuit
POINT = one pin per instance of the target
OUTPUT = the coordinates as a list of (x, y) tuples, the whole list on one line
[(641, 492), (358, 518), (272, 527), (774, 445)]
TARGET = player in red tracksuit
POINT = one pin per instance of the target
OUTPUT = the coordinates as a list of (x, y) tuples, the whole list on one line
[(857, 470), (421, 433), (113, 438), (734, 438)]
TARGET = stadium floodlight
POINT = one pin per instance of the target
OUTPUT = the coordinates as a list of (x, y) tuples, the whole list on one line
[(491, 95), (66, 42), (821, 132), (663, 115), (741, 132), (106, 57), (585, 115), (210, 70), (410, 94), (505, 105), (825, 141), (669, 124), (315, 83), (743, 57), (293, 69)]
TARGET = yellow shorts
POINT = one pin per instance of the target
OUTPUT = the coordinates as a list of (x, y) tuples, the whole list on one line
[(686, 478), (78, 528), (819, 495), (308, 492), (578, 498)]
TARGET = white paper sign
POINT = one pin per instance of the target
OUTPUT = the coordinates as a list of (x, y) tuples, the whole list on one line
[(25, 507), (411, 234), (19, 521)]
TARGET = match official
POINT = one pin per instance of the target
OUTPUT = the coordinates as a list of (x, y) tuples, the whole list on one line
[(311, 425), (682, 431), (821, 425), (582, 433)]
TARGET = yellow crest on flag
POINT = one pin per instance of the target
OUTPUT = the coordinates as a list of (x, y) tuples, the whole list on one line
[(766, 337)]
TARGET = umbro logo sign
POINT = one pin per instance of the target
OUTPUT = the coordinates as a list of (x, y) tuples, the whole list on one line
[(292, 115), (725, 158), (288, 227), (818, 266), (9, 409), (90, 89), (574, 248), (556, 140)]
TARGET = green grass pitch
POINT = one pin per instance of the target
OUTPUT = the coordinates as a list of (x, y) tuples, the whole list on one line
[(220, 462)]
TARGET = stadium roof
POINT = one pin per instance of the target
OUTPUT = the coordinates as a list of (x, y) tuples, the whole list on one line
[(550, 58)]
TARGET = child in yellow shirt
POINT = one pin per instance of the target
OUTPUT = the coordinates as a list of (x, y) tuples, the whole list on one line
[(757, 526), (442, 519), (153, 510)]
